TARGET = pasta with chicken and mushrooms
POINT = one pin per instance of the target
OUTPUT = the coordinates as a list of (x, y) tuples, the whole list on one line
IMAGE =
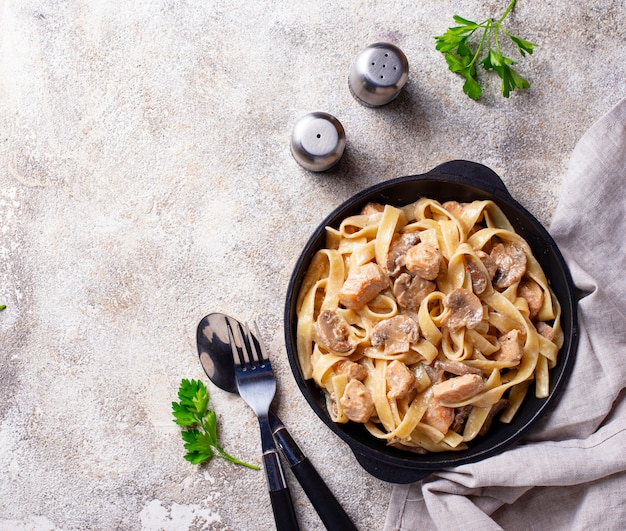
[(426, 322)]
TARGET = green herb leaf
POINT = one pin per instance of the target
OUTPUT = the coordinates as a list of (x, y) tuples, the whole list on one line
[(200, 436), (462, 56), (523, 46), (464, 21), (211, 425), (198, 446), (456, 64), (2, 307), (519, 81), (182, 416), (472, 88), (448, 42)]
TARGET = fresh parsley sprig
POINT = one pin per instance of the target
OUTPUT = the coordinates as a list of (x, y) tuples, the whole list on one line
[(462, 59), (200, 423)]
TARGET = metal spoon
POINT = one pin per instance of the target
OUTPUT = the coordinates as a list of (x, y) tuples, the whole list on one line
[(217, 361)]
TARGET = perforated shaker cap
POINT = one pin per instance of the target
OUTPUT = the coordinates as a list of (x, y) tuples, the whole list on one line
[(318, 141), (378, 74)]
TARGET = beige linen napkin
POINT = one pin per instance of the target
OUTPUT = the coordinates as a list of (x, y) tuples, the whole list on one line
[(570, 473)]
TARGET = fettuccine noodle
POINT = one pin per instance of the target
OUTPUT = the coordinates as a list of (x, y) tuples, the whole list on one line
[(426, 322)]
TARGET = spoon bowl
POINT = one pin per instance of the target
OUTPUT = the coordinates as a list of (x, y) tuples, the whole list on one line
[(215, 352)]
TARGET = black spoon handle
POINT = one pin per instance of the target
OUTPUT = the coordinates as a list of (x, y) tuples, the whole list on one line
[(328, 508)]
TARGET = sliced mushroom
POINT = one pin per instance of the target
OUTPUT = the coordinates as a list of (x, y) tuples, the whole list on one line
[(357, 402), (511, 347), (495, 409), (460, 416), (331, 405), (354, 371), (423, 260), (464, 309), (395, 334), (398, 250), (532, 292), (456, 367), (458, 388), (363, 284), (400, 380), (333, 332), (411, 291), (434, 375), (395, 442), (511, 264), (488, 262), (479, 276)]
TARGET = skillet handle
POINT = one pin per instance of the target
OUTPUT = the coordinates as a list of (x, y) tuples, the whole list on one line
[(331, 513), (474, 174)]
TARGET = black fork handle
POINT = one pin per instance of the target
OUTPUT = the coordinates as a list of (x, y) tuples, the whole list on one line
[(282, 505), (328, 508), (284, 515)]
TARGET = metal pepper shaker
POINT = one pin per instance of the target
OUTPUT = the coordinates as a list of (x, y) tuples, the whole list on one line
[(318, 141), (378, 74)]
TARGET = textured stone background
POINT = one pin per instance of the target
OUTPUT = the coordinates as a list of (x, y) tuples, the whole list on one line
[(146, 180)]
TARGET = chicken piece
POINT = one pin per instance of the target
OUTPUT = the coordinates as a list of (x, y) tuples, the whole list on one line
[(357, 402), (532, 292), (545, 330), (333, 332), (458, 388), (362, 285), (456, 367), (372, 208), (398, 250), (354, 371), (511, 264), (438, 416), (395, 334), (423, 260), (479, 275), (400, 380), (411, 291), (454, 207), (511, 347), (463, 309)]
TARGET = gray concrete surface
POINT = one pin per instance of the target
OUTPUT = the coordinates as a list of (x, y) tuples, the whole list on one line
[(146, 180)]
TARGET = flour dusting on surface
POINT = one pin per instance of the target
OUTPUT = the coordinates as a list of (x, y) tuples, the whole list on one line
[(157, 517)]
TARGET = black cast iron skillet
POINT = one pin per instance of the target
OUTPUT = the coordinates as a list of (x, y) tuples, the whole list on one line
[(461, 181)]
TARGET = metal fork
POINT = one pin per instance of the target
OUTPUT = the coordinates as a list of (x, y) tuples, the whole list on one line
[(257, 386)]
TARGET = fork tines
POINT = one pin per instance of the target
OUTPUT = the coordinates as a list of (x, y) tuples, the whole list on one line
[(246, 344)]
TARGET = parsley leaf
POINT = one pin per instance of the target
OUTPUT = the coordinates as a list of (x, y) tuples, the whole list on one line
[(200, 424), (462, 56)]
